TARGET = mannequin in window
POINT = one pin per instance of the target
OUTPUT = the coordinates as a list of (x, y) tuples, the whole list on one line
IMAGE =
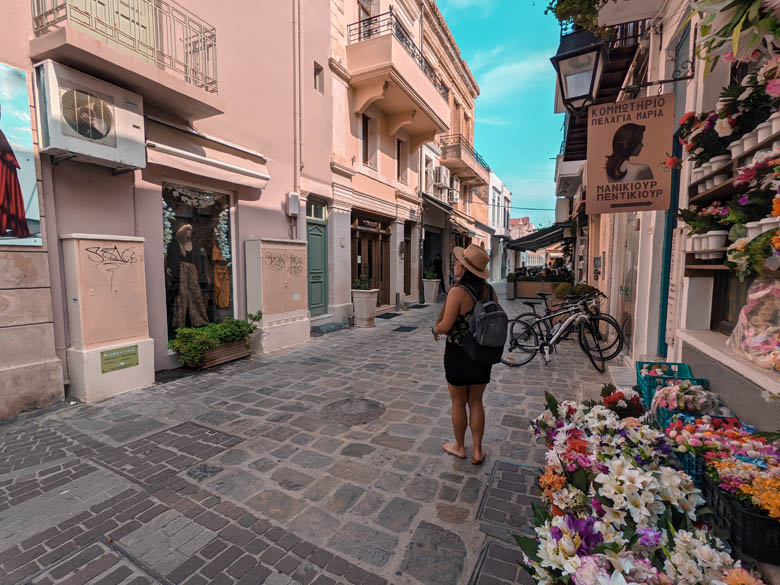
[(189, 308)]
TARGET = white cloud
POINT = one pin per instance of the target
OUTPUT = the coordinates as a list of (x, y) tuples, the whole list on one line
[(486, 57), (494, 121), (514, 75)]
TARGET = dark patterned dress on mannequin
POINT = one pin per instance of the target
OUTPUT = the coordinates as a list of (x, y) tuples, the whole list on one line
[(188, 300)]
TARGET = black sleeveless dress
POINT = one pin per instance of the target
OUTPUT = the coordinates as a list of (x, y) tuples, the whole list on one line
[(459, 368)]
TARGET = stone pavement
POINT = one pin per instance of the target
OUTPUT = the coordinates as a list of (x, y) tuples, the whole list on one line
[(235, 475)]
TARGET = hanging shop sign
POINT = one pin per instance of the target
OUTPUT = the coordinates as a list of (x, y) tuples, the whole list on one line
[(627, 144)]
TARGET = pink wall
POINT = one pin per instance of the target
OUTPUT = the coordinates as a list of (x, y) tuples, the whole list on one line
[(255, 68)]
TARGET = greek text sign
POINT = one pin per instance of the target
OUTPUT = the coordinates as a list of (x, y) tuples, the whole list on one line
[(116, 359), (627, 145)]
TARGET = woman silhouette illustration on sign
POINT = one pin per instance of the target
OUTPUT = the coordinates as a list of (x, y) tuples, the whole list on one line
[(13, 223), (627, 142)]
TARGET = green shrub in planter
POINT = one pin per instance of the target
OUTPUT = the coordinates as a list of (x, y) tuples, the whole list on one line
[(192, 343), (563, 290), (511, 277), (428, 275), (584, 289)]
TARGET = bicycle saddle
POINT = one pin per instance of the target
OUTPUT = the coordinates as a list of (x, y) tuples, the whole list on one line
[(531, 302), (543, 295)]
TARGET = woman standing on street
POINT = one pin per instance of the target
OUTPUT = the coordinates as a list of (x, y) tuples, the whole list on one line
[(466, 379)]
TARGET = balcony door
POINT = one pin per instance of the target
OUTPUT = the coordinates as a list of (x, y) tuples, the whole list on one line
[(125, 24)]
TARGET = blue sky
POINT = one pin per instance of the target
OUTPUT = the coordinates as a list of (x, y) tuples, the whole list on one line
[(508, 45)]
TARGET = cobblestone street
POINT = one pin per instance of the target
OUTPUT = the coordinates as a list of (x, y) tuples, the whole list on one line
[(236, 475)]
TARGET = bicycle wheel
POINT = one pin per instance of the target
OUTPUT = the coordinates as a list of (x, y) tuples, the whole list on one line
[(608, 334), (539, 324), (588, 339), (522, 345)]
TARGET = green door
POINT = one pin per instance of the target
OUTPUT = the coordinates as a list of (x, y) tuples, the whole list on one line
[(316, 236)]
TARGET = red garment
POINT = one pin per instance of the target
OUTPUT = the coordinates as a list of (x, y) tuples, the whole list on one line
[(11, 200)]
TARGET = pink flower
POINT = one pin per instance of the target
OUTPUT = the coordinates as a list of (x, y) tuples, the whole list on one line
[(729, 57), (743, 200), (773, 88)]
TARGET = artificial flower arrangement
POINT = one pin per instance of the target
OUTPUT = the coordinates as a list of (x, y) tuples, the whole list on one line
[(737, 460), (686, 397), (618, 513), (706, 219), (740, 30), (699, 139), (657, 369), (624, 402), (743, 106), (748, 257)]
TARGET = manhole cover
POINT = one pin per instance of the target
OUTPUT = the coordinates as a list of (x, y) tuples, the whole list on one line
[(353, 411)]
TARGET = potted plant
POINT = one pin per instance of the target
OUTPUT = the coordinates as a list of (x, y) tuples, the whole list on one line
[(431, 287), (510, 285), (364, 302), (215, 343)]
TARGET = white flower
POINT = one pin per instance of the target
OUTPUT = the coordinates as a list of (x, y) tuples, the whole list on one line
[(745, 94), (723, 127)]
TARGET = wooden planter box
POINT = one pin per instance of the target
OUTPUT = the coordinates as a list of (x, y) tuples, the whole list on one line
[(226, 353), (527, 289)]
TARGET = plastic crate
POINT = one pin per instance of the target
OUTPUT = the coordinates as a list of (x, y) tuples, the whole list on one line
[(752, 534), (653, 383), (693, 466)]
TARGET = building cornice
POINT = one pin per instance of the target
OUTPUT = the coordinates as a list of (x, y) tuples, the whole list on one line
[(453, 46), (339, 69), (342, 170)]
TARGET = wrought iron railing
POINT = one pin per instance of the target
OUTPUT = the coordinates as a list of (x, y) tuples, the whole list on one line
[(460, 140), (160, 31), (387, 23), (626, 34)]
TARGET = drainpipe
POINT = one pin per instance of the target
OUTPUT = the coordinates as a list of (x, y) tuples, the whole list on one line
[(300, 89), (296, 96)]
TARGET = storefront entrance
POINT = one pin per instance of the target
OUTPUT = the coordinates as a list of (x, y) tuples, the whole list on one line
[(198, 256), (627, 283), (371, 254)]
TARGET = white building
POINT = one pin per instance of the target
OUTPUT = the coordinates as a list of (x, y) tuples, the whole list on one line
[(499, 200)]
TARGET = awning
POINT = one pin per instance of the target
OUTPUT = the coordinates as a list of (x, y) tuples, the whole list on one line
[(438, 203), (540, 238), (190, 153)]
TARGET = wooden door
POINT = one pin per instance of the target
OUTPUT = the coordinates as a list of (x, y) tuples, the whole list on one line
[(317, 254)]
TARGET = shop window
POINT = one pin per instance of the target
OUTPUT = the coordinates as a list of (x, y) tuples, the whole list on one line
[(198, 256), (315, 210), (319, 78), (728, 298)]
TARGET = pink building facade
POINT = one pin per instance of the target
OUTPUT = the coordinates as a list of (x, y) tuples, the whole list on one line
[(190, 133)]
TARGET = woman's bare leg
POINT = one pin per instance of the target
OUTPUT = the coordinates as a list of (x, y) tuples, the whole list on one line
[(458, 396), (477, 418)]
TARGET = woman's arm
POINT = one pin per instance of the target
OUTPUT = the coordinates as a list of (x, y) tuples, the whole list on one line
[(450, 313)]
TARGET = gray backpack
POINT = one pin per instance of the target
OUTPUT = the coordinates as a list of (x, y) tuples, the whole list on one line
[(484, 341)]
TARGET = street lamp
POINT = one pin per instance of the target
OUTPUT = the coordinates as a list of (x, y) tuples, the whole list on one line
[(579, 64)]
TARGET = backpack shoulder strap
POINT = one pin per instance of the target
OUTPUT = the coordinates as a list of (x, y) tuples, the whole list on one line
[(471, 293)]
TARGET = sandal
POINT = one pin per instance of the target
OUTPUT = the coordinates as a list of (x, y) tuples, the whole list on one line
[(448, 452), (478, 461)]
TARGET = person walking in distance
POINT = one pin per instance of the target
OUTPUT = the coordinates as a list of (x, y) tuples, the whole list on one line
[(466, 379)]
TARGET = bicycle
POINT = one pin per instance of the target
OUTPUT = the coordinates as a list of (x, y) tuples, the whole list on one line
[(610, 335), (524, 338)]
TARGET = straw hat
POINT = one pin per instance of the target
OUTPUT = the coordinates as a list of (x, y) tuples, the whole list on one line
[(474, 259)]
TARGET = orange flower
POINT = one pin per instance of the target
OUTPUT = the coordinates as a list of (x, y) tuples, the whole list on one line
[(765, 493), (776, 206)]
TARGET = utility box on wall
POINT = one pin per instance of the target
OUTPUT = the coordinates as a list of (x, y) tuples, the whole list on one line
[(110, 349), (277, 284)]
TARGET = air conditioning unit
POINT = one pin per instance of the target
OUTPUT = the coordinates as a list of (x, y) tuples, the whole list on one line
[(441, 177), (90, 119), (453, 196), (455, 184)]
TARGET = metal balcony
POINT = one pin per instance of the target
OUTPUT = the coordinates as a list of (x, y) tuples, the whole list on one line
[(160, 32), (387, 24), (458, 155)]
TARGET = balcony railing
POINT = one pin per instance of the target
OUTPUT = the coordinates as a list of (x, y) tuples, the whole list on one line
[(158, 30), (387, 23), (626, 34), (460, 140)]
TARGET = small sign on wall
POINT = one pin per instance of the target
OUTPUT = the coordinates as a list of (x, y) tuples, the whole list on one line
[(118, 358)]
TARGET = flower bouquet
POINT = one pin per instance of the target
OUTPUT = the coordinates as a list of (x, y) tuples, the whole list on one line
[(754, 256), (686, 397), (615, 511), (699, 138), (743, 106), (624, 403)]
